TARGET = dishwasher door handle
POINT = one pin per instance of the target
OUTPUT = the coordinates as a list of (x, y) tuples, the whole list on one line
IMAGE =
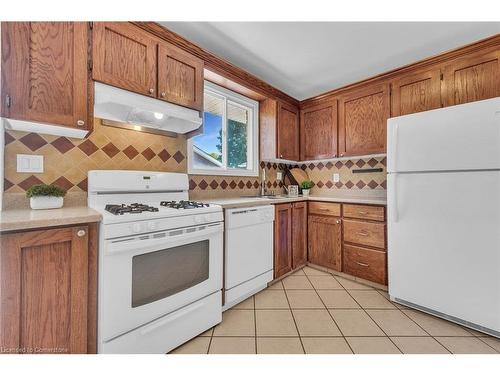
[(243, 211)]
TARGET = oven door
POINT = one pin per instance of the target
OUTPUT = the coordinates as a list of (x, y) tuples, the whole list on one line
[(146, 276)]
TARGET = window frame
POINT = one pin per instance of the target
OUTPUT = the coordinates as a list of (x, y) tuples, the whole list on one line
[(232, 97)]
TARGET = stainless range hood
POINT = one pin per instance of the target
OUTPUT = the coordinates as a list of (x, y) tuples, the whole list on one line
[(129, 110)]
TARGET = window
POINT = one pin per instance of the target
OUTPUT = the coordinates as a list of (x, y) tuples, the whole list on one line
[(229, 143)]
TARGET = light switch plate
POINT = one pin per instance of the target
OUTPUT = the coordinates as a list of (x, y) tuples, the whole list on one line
[(336, 177), (29, 163), (279, 176)]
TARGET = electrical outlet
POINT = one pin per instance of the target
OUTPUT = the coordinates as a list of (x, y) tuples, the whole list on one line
[(279, 176), (29, 163), (336, 177)]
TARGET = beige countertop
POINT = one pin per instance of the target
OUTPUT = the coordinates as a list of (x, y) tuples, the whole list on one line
[(378, 199), (20, 219)]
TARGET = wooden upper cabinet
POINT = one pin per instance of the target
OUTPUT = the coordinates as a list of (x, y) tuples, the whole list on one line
[(44, 290), (318, 132), (287, 132), (416, 92), (363, 118), (180, 77), (325, 241), (124, 56), (472, 78), (44, 72), (282, 239), (299, 234)]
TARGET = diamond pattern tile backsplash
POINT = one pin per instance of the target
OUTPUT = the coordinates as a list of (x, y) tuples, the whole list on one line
[(67, 161)]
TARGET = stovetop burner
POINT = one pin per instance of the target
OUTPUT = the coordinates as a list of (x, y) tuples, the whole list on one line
[(183, 204), (134, 208)]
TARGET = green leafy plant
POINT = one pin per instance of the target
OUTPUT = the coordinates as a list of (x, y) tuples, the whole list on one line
[(45, 191), (306, 184)]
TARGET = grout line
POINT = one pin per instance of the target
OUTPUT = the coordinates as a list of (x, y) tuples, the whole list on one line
[(293, 317), (255, 322)]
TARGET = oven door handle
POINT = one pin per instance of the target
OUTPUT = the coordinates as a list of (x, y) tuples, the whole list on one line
[(171, 236)]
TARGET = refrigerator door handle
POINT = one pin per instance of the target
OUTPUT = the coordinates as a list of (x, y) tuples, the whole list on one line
[(394, 146), (394, 197)]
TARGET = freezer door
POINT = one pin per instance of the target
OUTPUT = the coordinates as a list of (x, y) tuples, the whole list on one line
[(444, 243), (460, 137)]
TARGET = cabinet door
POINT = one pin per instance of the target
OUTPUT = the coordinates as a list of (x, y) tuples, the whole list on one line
[(318, 132), (325, 237), (363, 118), (288, 132), (472, 78), (44, 72), (124, 56), (416, 93), (299, 234), (282, 239), (180, 77), (44, 290)]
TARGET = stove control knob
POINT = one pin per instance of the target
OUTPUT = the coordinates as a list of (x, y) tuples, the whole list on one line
[(152, 226), (136, 228)]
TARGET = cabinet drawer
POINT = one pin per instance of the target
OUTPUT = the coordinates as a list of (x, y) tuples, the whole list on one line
[(364, 233), (324, 208), (365, 263), (358, 211)]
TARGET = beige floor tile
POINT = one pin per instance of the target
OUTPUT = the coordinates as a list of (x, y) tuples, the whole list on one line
[(419, 345), (338, 299), (436, 326), (232, 345), (207, 333), (297, 282), (245, 305), (198, 345), (271, 299), (371, 299), (492, 341), (276, 285), (355, 323), (275, 323), (315, 323), (236, 323), (372, 345), (395, 323), (309, 271), (473, 332), (304, 299), (279, 345), (465, 345), (325, 282), (325, 345), (350, 284), (299, 272)]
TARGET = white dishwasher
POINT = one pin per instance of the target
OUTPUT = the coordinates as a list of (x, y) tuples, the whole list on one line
[(248, 252)]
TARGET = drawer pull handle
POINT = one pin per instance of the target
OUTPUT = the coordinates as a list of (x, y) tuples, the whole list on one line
[(324, 209), (362, 212), (362, 264), (363, 233)]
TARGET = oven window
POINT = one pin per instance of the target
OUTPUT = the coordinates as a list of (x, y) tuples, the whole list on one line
[(166, 272)]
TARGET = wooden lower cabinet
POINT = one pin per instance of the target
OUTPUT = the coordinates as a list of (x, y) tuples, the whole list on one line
[(368, 264), (299, 234), (48, 290), (325, 241)]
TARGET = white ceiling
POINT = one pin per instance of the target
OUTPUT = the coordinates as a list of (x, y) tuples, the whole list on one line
[(305, 59)]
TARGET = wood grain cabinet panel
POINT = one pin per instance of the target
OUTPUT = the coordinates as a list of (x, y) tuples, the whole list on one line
[(361, 211), (364, 233), (324, 208), (299, 234), (368, 264), (472, 78), (180, 77), (44, 72), (282, 239), (318, 132), (325, 241), (416, 93), (288, 132), (363, 118), (125, 56)]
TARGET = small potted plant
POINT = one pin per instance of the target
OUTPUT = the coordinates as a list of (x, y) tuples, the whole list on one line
[(306, 186), (45, 196)]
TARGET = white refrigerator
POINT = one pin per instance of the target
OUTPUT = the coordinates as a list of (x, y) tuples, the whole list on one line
[(444, 213)]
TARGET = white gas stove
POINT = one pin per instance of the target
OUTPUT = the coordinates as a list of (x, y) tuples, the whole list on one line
[(160, 261)]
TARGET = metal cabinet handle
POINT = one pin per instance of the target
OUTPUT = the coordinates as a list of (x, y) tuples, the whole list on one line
[(362, 212), (163, 94), (338, 221), (80, 233), (80, 123), (323, 209), (151, 91), (363, 233), (362, 264), (341, 154)]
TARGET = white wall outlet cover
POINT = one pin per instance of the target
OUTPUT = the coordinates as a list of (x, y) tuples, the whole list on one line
[(336, 177), (279, 176), (29, 163)]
